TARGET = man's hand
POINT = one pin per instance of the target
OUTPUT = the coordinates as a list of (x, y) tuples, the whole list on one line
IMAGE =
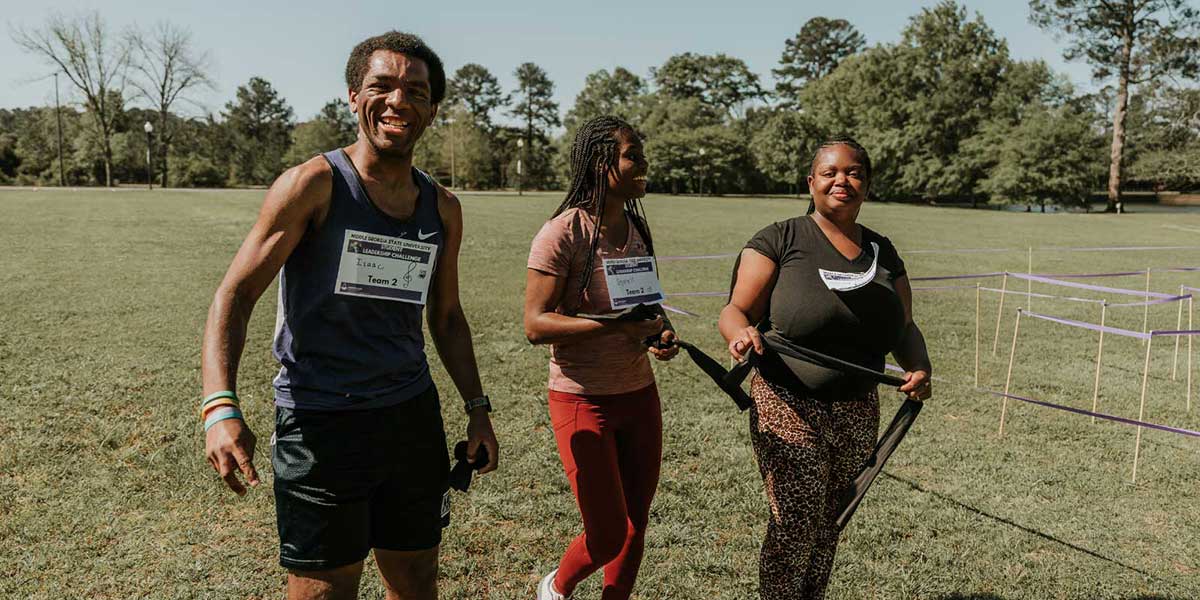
[(917, 385), (666, 339), (229, 445), (479, 433)]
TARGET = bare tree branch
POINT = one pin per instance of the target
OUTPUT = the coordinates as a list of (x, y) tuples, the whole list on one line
[(79, 47), (166, 68)]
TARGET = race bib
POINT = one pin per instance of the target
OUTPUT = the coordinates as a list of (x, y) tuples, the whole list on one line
[(632, 281), (845, 282), (385, 267)]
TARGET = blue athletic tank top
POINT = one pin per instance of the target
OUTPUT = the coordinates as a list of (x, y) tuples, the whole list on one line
[(340, 351)]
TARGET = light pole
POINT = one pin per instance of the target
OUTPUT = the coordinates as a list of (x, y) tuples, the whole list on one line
[(453, 167), (701, 191), (149, 128), (520, 154), (62, 178)]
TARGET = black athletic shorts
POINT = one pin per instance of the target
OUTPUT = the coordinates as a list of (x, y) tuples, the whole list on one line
[(349, 481)]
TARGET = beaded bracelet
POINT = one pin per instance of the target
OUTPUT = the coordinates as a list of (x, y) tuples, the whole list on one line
[(221, 414)]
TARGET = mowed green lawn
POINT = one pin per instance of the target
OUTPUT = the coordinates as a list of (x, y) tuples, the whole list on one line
[(104, 491)]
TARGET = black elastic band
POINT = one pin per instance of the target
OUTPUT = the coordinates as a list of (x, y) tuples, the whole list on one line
[(883, 449), (718, 374), (887, 443), (460, 475)]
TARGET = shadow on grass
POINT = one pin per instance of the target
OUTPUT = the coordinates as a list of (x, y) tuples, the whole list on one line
[(957, 596), (917, 487), (970, 597)]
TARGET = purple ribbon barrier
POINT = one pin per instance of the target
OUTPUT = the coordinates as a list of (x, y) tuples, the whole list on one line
[(1088, 286), (1114, 248), (697, 294), (1056, 276), (1153, 302), (1092, 275), (1191, 289), (696, 257), (670, 308), (992, 250), (1091, 326), (951, 277), (935, 288), (959, 251), (1119, 273), (1080, 411), (1037, 295), (1175, 333)]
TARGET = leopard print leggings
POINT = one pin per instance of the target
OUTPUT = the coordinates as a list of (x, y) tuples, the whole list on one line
[(808, 451)]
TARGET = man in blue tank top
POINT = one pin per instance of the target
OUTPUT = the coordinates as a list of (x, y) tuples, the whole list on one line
[(363, 243)]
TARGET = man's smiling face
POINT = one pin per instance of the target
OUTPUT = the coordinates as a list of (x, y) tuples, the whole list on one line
[(394, 103)]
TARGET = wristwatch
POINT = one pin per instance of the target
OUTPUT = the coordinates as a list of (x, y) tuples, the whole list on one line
[(483, 401)]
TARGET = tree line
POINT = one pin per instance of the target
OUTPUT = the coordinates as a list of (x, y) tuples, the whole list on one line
[(947, 114)]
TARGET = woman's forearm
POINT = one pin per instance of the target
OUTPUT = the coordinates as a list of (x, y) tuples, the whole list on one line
[(732, 322), (555, 328), (911, 353)]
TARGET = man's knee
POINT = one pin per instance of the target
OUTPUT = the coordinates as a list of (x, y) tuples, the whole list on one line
[(409, 574), (330, 584)]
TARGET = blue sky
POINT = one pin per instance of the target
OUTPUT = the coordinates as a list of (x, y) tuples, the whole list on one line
[(300, 46)]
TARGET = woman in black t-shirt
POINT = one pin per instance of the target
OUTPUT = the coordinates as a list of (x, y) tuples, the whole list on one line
[(824, 282)]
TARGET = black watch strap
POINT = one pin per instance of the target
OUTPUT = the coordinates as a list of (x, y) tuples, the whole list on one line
[(472, 404)]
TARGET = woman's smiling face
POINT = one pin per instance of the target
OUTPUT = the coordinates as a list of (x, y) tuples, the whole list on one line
[(839, 180), (627, 179)]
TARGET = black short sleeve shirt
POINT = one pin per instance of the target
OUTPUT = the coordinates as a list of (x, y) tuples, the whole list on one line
[(814, 302)]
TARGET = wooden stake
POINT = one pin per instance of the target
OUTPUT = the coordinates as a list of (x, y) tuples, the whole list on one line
[(1178, 325), (1029, 283), (1146, 312), (1137, 447), (999, 312), (1099, 356), (977, 335), (1008, 378)]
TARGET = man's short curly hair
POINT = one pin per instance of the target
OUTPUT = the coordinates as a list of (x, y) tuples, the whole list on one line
[(401, 43)]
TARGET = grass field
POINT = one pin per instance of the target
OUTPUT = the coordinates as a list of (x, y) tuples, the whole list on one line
[(104, 492)]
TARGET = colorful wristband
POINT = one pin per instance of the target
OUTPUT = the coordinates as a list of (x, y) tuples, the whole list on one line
[(218, 395), (219, 402), (221, 414)]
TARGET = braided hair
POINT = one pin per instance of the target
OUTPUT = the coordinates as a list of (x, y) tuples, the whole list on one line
[(593, 154), (860, 154)]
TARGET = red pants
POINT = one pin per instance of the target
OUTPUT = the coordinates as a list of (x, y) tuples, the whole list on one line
[(611, 449)]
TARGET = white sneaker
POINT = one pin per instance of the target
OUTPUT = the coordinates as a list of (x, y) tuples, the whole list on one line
[(546, 591)]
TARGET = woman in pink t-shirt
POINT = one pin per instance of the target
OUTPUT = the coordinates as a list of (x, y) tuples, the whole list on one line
[(603, 401)]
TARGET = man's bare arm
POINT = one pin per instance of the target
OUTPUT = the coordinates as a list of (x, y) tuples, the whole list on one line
[(296, 200), (452, 334)]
